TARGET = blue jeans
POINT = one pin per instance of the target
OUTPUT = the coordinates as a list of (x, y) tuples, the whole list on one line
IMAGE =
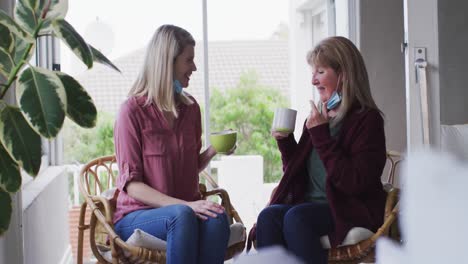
[(298, 228), (189, 239)]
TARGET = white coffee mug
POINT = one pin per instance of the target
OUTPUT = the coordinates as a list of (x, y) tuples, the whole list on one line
[(284, 120)]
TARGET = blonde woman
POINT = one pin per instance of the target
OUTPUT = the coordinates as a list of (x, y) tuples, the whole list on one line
[(157, 138), (331, 179)]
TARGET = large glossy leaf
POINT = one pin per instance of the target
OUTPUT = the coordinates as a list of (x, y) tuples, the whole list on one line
[(26, 15), (30, 13), (7, 40), (80, 106), (6, 208), (20, 140), (74, 41), (99, 57), (21, 47), (10, 177), (56, 10), (14, 28), (42, 99), (6, 62)]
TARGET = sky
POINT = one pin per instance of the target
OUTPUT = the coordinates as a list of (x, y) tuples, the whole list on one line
[(117, 27)]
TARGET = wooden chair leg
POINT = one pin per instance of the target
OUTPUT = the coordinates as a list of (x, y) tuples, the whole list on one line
[(81, 228)]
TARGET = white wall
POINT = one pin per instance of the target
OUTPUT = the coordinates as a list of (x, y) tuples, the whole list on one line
[(421, 28), (453, 61), (10, 243), (381, 33), (45, 218), (309, 24), (300, 42), (242, 178)]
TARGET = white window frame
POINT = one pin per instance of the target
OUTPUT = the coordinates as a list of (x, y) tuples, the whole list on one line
[(354, 15), (206, 77)]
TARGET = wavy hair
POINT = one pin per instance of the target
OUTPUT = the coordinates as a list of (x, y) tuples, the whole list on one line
[(344, 58)]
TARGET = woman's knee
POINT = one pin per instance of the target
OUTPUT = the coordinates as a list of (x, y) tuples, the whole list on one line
[(269, 214), (216, 228), (294, 216), (220, 223), (308, 219), (184, 213)]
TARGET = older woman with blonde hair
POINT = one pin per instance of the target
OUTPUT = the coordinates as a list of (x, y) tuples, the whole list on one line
[(157, 144), (331, 181)]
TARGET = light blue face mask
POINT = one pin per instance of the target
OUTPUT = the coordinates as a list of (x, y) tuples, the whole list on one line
[(334, 101), (177, 87)]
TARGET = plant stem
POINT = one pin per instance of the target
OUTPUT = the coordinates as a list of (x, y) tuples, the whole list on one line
[(21, 62)]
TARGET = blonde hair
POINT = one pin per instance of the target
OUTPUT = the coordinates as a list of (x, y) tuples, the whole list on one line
[(344, 58), (155, 79)]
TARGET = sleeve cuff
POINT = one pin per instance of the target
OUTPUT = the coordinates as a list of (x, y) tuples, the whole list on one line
[(319, 134), (126, 176), (282, 143)]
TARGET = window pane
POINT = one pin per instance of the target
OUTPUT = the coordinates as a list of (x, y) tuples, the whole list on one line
[(249, 69), (120, 30)]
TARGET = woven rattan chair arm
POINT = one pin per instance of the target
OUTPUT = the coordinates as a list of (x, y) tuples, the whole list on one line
[(393, 153), (106, 218), (225, 202), (353, 253), (218, 191), (209, 179), (142, 253), (108, 212), (392, 198), (392, 217), (222, 193)]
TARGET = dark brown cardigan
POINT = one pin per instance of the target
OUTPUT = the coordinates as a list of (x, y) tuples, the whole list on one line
[(354, 162)]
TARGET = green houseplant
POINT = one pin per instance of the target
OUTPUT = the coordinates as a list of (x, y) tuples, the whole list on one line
[(44, 97)]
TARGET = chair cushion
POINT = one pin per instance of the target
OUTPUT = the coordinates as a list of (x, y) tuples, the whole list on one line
[(237, 235), (139, 238), (354, 236), (109, 193)]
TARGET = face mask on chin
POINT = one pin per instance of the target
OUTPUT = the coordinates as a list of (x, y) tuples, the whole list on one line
[(177, 87), (335, 99)]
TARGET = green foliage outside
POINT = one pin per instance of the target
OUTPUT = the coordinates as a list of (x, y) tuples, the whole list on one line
[(82, 145), (248, 108)]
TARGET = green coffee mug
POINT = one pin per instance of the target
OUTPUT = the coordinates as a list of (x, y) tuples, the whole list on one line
[(283, 130), (223, 141)]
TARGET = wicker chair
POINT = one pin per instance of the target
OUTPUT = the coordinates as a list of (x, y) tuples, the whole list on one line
[(364, 251), (98, 176)]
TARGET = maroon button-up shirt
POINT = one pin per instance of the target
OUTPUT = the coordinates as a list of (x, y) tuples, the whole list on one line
[(150, 151)]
